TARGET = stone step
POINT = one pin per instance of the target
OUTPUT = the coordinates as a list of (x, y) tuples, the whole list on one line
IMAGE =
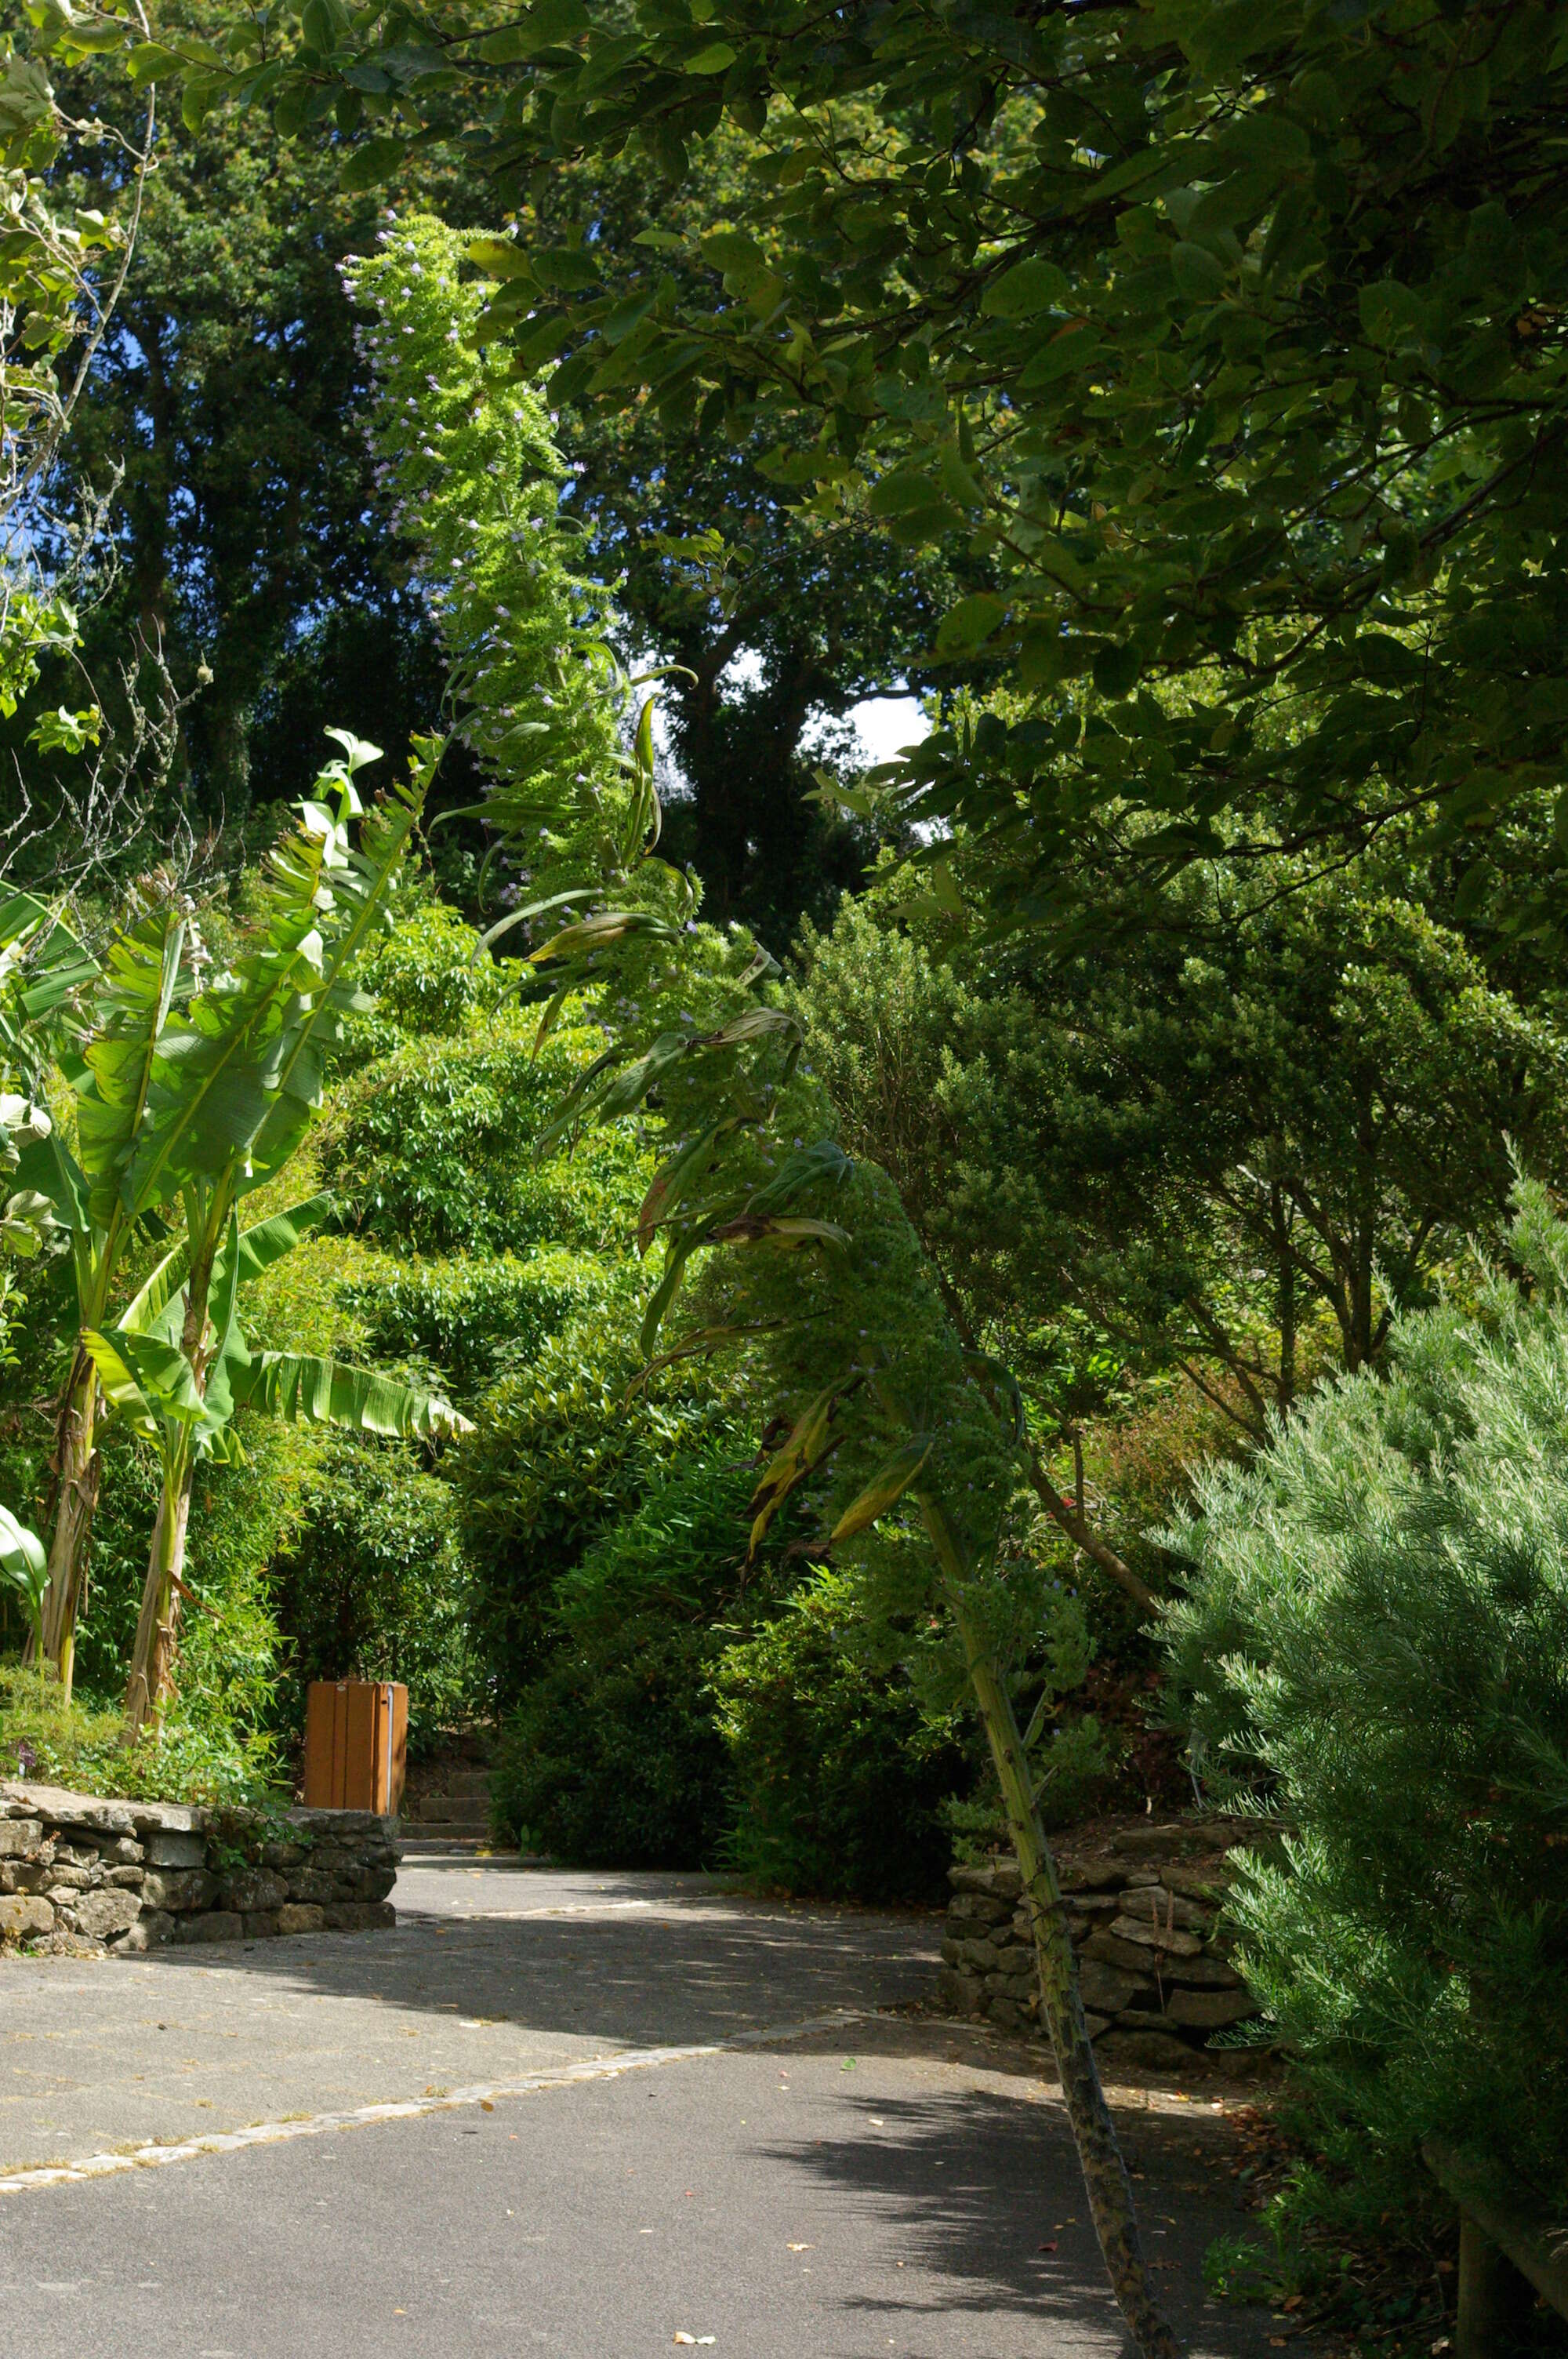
[(428, 1831), (467, 1781), (453, 1809)]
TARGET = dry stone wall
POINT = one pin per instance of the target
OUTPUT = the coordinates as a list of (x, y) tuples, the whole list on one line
[(80, 1876), (1143, 1906)]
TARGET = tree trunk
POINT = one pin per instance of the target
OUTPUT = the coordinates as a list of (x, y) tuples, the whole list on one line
[(78, 1467), (1105, 2183), (151, 1682), (1075, 1524)]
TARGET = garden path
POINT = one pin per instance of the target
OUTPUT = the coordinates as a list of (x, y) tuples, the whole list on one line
[(599, 2113)]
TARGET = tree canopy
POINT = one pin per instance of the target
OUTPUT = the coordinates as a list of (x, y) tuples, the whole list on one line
[(1230, 335)]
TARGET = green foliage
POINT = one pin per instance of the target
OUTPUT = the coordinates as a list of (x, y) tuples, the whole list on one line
[(232, 1661), (841, 1774), (228, 396), (1375, 1639), (1230, 336), (431, 1148), (561, 1455), (372, 1584), (81, 1748), (475, 1318), (1230, 1139), (511, 608), (611, 1758)]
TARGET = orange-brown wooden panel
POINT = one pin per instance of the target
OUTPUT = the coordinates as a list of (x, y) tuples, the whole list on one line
[(321, 1714), (360, 1781)]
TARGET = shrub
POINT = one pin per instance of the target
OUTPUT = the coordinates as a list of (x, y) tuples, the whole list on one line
[(840, 1775), (432, 1147), (199, 1759), (611, 1758), (374, 1585), (472, 1319), (1375, 1645), (562, 1453)]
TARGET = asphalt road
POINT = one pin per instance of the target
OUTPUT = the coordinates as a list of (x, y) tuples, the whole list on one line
[(574, 2114)]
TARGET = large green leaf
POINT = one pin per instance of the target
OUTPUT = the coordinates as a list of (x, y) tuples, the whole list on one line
[(317, 1391), (150, 1382), (268, 1242), (884, 1490)]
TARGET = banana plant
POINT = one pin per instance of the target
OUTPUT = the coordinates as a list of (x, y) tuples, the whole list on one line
[(107, 1071), (176, 1366), (188, 1098), (236, 1077)]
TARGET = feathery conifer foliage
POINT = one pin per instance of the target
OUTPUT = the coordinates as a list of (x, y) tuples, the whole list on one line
[(1373, 1642)]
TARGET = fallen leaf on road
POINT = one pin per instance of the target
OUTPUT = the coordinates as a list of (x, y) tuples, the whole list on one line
[(1050, 2247), (802, 2248), (485, 2107)]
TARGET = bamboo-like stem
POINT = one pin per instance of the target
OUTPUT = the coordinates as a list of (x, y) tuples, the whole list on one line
[(151, 1682), (1106, 2181), (152, 1658), (78, 1466)]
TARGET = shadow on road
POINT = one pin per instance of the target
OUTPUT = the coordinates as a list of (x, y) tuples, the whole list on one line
[(634, 1961)]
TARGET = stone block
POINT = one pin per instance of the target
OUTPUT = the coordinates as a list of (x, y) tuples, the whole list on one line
[(174, 1847), (1091, 1874), (102, 1914), (179, 1888), (1147, 2051), (1000, 1881), (212, 1925), (978, 1909), (1132, 1959), (354, 1829), (1019, 1987), (1004, 2014), (1170, 1838), (1106, 1988), (152, 1927), (1173, 1943), (167, 1819), (1205, 1883), (282, 1855), (128, 1879), (359, 1915), (1211, 1972), (69, 1879), (297, 1918), (311, 1884), (261, 1924), (1210, 2010), (19, 1838), (22, 1875), (1157, 1907), (254, 1891), (981, 1955), (1014, 1957), (965, 1993), (57, 1806), (24, 1915), (1094, 2024)]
